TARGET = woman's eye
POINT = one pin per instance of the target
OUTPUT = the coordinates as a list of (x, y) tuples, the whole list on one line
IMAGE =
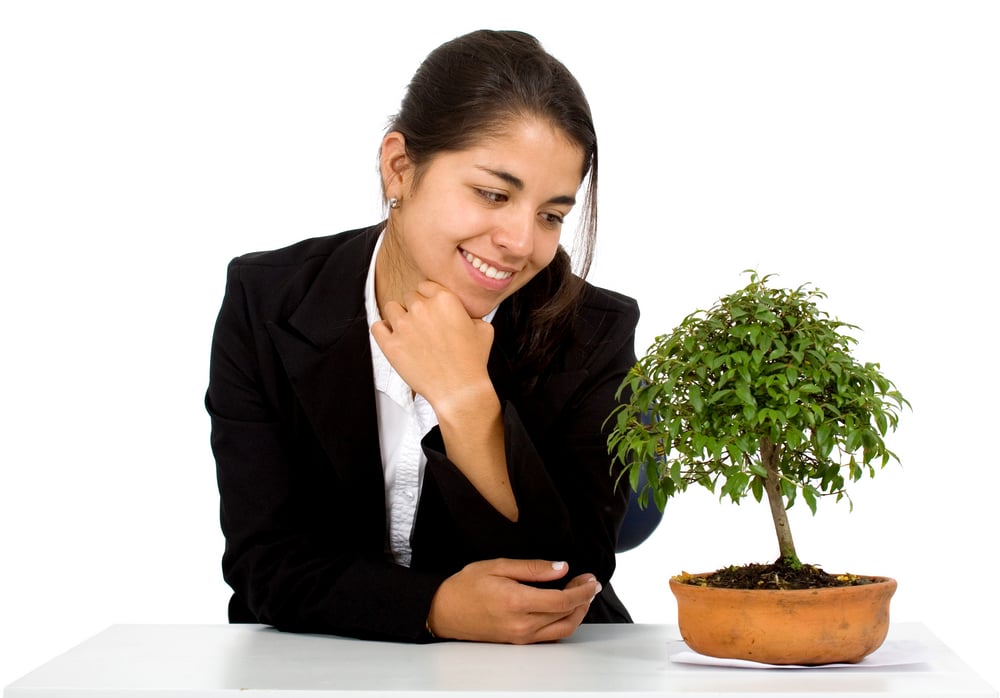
[(492, 196), (552, 218)]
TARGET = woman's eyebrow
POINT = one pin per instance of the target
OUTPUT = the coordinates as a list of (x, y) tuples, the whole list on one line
[(518, 184)]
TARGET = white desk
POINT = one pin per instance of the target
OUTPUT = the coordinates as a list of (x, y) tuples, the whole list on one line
[(217, 661)]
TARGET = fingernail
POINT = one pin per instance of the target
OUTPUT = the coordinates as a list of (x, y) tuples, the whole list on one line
[(558, 565)]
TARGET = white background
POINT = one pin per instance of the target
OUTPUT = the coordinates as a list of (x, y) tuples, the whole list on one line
[(143, 144)]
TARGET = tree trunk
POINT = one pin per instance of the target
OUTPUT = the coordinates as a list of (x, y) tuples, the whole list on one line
[(772, 485)]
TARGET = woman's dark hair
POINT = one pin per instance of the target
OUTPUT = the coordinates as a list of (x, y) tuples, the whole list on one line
[(470, 89)]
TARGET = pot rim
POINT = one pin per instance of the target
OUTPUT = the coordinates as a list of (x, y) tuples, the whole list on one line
[(677, 580)]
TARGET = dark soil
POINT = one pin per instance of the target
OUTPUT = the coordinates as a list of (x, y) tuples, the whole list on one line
[(777, 575)]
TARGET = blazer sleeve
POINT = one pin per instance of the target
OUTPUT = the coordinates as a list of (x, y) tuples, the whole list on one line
[(293, 557), (557, 456)]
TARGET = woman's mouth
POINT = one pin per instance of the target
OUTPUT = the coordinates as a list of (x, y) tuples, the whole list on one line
[(485, 269)]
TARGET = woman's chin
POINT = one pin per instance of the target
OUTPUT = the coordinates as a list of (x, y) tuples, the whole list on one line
[(479, 307)]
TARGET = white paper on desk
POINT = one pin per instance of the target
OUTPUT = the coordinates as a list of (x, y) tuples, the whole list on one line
[(891, 653)]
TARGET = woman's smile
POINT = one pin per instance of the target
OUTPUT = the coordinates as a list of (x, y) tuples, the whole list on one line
[(486, 273)]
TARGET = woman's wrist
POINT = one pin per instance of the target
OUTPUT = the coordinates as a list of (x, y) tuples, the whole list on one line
[(476, 402)]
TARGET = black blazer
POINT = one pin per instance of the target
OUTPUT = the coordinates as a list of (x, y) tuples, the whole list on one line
[(294, 433)]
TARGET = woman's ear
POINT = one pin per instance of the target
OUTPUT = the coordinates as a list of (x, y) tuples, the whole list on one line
[(394, 165)]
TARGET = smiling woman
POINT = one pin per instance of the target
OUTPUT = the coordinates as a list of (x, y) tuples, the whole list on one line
[(408, 419)]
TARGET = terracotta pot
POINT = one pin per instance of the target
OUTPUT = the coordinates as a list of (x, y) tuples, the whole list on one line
[(801, 626)]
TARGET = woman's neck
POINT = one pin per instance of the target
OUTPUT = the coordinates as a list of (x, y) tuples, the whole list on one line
[(389, 278)]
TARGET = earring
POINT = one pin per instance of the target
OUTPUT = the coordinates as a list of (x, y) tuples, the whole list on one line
[(394, 202)]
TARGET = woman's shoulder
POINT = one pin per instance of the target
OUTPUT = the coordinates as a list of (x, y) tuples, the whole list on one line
[(603, 301), (601, 311), (603, 325), (307, 251), (273, 283)]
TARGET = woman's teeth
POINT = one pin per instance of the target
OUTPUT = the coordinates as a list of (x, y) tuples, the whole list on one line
[(485, 269)]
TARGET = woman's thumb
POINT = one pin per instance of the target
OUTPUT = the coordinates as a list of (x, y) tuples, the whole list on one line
[(531, 570)]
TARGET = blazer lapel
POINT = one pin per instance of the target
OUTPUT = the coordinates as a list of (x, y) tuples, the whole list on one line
[(326, 353)]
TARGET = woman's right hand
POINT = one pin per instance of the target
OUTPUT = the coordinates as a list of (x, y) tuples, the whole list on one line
[(488, 601)]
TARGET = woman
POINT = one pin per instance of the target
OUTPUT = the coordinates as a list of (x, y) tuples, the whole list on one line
[(408, 419)]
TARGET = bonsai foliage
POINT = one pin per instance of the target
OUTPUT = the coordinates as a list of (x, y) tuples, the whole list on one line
[(758, 395)]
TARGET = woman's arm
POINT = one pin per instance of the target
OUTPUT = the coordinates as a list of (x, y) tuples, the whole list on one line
[(555, 454), (442, 354)]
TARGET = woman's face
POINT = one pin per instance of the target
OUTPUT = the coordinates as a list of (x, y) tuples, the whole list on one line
[(483, 221)]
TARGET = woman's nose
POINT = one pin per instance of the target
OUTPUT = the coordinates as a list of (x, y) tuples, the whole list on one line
[(516, 234)]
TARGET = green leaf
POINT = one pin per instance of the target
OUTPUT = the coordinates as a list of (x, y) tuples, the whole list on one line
[(824, 440), (660, 498), (676, 475), (792, 374), (881, 423), (694, 395), (853, 442), (809, 494), (744, 394)]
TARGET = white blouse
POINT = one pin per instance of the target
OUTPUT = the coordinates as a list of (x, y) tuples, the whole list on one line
[(403, 420)]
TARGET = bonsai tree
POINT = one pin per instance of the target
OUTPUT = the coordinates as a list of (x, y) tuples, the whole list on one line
[(758, 395)]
